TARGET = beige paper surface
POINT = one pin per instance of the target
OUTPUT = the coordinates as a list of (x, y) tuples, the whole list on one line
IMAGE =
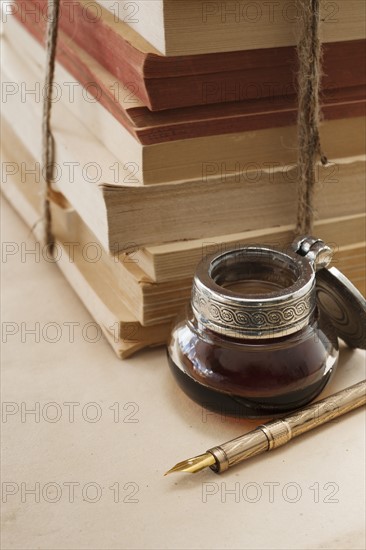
[(104, 432)]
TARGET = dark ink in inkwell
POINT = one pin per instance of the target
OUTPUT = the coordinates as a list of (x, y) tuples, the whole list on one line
[(254, 342)]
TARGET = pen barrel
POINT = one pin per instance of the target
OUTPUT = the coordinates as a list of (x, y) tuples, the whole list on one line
[(279, 432)]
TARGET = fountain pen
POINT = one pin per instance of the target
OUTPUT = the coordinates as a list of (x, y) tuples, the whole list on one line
[(276, 432)]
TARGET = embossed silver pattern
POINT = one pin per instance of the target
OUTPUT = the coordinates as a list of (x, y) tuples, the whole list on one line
[(283, 309), (267, 319)]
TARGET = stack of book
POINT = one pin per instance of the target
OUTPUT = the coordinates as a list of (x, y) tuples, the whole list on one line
[(175, 132)]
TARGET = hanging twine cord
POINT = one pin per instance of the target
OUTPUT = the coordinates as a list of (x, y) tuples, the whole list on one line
[(309, 149), (48, 144)]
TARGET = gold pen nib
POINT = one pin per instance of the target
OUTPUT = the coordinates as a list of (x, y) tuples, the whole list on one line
[(193, 465)]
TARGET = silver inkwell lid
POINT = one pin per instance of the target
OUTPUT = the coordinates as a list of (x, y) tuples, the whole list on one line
[(258, 292)]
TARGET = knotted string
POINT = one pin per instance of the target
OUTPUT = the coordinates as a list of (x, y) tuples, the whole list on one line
[(309, 150), (48, 144)]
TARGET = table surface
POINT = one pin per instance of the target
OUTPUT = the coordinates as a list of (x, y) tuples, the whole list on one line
[(85, 468)]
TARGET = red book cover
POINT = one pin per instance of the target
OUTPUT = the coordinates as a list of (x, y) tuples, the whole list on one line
[(190, 122), (163, 82)]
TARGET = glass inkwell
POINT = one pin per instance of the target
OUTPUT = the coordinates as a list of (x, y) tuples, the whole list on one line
[(260, 337)]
